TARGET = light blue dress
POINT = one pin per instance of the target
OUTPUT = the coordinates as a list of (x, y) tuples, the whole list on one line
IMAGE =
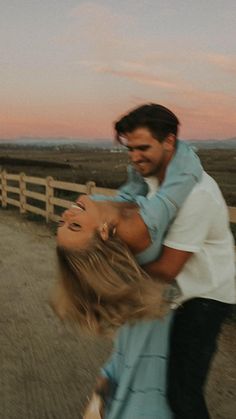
[(137, 368)]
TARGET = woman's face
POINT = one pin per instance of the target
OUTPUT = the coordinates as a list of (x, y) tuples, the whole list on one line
[(79, 223)]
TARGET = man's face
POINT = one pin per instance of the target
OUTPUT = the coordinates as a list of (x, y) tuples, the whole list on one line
[(147, 154)]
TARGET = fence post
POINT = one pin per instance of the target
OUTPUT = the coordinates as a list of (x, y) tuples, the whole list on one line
[(49, 195), (1, 177), (89, 187), (22, 187), (4, 189)]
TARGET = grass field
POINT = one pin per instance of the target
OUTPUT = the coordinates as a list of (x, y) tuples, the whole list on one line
[(106, 168)]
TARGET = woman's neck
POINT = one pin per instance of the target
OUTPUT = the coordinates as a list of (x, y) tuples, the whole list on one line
[(129, 225), (131, 228)]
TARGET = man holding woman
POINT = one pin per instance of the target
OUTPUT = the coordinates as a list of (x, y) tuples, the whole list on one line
[(165, 182), (199, 253)]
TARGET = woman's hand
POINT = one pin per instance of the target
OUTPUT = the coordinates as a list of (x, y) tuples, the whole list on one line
[(95, 408)]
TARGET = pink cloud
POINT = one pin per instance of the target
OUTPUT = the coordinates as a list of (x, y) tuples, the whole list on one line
[(85, 120), (224, 62), (96, 32), (140, 78), (210, 121), (180, 87)]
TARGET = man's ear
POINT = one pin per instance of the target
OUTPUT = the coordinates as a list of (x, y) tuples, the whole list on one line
[(169, 142), (104, 231)]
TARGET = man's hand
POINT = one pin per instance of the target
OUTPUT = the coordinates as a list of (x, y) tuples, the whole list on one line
[(169, 265)]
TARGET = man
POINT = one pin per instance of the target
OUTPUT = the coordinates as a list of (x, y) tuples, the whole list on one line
[(198, 252)]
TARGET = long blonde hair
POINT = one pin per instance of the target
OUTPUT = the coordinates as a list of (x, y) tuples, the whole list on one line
[(102, 287)]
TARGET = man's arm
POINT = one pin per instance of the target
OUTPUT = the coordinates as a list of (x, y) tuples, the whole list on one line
[(186, 235), (168, 266)]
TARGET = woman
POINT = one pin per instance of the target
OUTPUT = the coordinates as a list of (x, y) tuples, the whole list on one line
[(104, 289), (95, 243)]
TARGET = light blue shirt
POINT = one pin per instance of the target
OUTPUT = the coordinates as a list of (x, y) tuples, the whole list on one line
[(159, 211)]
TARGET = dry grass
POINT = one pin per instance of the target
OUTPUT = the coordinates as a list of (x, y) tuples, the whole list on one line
[(108, 169)]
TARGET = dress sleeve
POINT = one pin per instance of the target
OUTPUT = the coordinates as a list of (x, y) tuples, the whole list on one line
[(109, 369), (183, 173)]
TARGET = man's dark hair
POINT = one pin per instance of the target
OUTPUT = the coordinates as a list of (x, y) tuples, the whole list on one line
[(159, 120)]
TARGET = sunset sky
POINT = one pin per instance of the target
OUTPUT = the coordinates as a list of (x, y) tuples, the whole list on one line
[(70, 68)]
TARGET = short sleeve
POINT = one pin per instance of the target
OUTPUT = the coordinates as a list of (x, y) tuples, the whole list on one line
[(191, 226)]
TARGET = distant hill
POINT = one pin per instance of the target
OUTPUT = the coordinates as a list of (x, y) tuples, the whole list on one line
[(62, 143), (229, 143), (58, 143)]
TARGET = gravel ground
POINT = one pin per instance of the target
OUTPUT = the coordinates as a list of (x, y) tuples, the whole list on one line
[(47, 369)]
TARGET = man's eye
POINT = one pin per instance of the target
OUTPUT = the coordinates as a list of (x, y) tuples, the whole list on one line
[(60, 223), (75, 226), (138, 148), (143, 148)]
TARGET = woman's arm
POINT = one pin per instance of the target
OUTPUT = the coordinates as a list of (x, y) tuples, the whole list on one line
[(133, 231), (135, 186), (182, 174)]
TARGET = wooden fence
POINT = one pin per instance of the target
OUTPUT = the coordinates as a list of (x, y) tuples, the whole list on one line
[(20, 186)]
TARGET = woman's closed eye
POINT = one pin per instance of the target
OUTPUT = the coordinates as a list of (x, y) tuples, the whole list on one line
[(74, 226)]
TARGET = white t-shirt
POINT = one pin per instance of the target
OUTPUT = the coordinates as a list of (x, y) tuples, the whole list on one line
[(153, 185), (202, 227)]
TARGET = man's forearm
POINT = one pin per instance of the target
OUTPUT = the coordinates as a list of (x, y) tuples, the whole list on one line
[(159, 270), (169, 265)]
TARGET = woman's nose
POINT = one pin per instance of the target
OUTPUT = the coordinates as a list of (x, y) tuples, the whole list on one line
[(67, 214)]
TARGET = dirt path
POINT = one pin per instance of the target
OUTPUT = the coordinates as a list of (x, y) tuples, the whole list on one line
[(47, 370)]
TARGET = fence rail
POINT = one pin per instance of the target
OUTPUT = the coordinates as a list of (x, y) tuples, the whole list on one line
[(22, 193)]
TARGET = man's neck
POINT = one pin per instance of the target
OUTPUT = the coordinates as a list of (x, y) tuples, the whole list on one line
[(162, 172)]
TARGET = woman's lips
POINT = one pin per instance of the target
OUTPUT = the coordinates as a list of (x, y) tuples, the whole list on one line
[(78, 205)]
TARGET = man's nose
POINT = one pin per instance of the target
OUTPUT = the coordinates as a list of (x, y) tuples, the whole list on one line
[(135, 156)]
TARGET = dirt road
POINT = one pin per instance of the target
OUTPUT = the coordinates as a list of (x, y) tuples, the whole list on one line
[(47, 370)]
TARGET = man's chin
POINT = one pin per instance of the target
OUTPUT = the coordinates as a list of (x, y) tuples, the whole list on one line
[(144, 172)]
